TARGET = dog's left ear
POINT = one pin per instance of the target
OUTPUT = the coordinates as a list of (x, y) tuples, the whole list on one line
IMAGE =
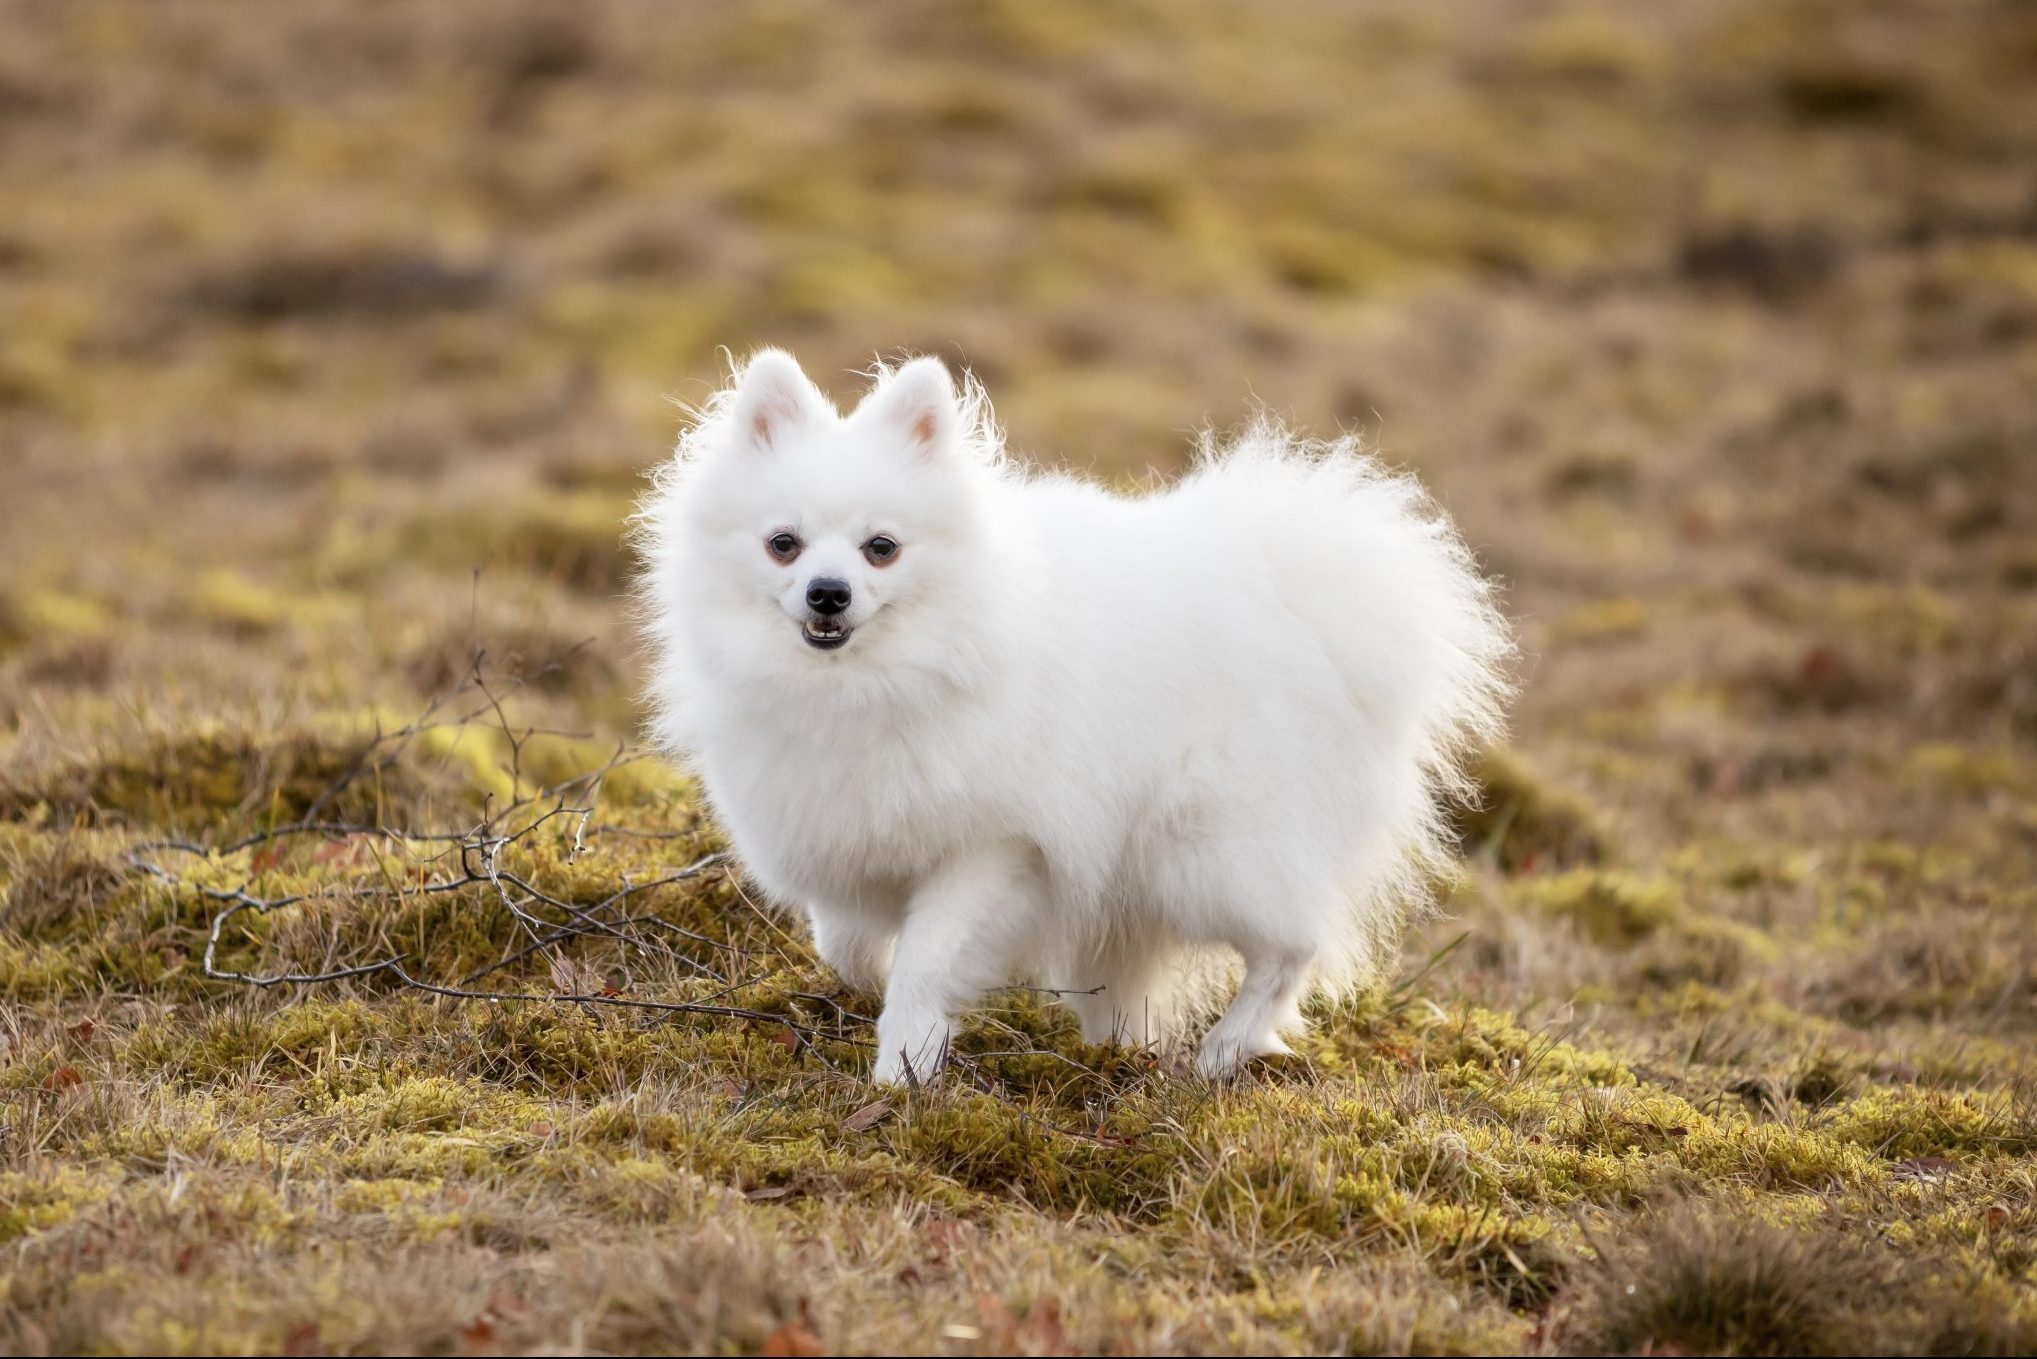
[(917, 404)]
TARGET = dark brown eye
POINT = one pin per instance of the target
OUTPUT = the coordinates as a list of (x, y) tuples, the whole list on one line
[(880, 550), (783, 546)]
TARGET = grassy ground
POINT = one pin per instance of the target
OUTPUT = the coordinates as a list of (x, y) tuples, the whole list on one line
[(1715, 325)]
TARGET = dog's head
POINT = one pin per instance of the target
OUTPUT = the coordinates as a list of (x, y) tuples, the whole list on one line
[(822, 532)]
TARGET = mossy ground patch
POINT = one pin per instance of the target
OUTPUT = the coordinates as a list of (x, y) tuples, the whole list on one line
[(315, 313)]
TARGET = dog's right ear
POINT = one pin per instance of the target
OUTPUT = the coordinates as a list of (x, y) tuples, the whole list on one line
[(774, 398)]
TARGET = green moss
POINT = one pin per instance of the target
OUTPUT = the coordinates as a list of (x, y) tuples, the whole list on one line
[(1610, 908), (572, 537), (231, 601), (1525, 822), (1902, 1124), (191, 779), (30, 615), (50, 1195), (1745, 922)]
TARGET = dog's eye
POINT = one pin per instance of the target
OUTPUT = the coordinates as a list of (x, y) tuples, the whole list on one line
[(880, 550), (783, 546)]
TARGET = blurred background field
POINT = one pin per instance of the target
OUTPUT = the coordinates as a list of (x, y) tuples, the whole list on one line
[(1714, 324)]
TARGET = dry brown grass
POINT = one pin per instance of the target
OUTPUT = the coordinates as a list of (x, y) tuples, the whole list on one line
[(1714, 324)]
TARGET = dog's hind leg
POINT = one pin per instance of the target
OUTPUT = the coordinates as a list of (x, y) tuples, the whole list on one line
[(1268, 1000), (1120, 999), (855, 944)]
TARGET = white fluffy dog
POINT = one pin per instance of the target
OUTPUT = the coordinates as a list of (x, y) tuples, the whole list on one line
[(979, 723)]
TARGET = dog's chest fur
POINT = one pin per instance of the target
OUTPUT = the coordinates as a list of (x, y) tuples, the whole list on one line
[(831, 805)]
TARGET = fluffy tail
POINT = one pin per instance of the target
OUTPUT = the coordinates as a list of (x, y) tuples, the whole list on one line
[(1373, 565)]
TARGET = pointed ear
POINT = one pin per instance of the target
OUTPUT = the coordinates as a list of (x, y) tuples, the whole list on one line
[(917, 404), (774, 397)]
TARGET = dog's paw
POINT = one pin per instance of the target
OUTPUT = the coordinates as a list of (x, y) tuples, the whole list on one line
[(911, 1049), (897, 1067), (1222, 1055)]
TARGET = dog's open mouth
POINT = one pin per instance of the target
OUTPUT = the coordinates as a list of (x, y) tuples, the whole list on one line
[(826, 636)]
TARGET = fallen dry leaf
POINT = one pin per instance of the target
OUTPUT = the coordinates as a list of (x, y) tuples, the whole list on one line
[(568, 977), (479, 1338), (792, 1340), (83, 1029), (999, 1326), (1042, 1330), (867, 1117), (944, 1236), (303, 1339), (1929, 1169), (347, 851), (63, 1078)]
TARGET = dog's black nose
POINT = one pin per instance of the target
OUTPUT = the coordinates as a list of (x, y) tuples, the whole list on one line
[(828, 596)]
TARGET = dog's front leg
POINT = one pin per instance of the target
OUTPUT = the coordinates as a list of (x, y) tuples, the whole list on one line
[(964, 931)]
